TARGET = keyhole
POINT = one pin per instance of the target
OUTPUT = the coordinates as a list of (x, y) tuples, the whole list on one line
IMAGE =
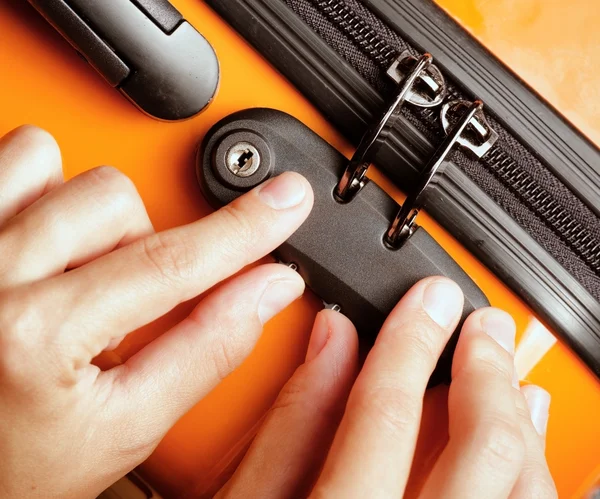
[(243, 159)]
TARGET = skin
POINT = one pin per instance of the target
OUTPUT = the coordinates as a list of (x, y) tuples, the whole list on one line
[(68, 429)]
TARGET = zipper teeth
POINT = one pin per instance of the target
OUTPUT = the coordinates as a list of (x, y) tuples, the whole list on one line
[(344, 18), (541, 201), (534, 196), (504, 167)]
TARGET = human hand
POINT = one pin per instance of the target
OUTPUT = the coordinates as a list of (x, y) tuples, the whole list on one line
[(69, 430), (66, 428), (330, 434)]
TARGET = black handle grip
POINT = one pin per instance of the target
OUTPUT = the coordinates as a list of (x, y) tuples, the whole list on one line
[(142, 47)]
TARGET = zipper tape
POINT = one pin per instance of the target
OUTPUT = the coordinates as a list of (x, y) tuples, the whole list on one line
[(562, 148), (351, 103), (510, 174)]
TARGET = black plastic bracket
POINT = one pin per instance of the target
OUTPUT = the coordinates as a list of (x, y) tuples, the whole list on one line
[(145, 48), (466, 211), (340, 249)]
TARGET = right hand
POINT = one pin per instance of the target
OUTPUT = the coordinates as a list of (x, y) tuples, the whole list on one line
[(332, 435)]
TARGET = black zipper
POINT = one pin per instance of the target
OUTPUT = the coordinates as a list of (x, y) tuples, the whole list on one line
[(336, 52), (361, 33), (535, 197)]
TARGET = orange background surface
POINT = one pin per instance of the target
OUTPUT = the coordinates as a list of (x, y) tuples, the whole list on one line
[(45, 83), (553, 45)]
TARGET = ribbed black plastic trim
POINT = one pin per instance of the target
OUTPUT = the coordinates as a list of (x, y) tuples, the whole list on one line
[(350, 103), (569, 155)]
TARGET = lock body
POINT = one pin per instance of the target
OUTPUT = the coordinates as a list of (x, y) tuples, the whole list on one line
[(340, 250)]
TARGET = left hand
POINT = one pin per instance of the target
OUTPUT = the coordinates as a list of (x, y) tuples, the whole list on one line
[(80, 268)]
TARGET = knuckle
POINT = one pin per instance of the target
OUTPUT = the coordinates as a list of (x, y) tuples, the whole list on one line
[(133, 445), (297, 392), (171, 258), (290, 396), (39, 141), (20, 326), (225, 358), (236, 222), (107, 174), (502, 445), (522, 409), (112, 185), (25, 334), (541, 487), (397, 410), (135, 439), (487, 356), (425, 345)]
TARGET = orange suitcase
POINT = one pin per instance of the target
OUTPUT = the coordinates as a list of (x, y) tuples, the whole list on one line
[(550, 44)]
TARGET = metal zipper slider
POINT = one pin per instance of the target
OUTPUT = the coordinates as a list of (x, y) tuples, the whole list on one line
[(465, 124), (482, 136), (422, 85)]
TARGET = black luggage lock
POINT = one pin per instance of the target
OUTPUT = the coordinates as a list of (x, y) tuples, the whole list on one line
[(144, 48), (356, 250)]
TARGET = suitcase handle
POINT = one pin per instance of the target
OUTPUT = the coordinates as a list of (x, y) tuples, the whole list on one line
[(144, 48)]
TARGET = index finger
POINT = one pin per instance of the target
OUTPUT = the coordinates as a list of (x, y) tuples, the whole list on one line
[(134, 285), (30, 166), (374, 446)]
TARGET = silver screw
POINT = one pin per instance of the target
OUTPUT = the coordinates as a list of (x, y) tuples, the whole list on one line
[(243, 159), (332, 306)]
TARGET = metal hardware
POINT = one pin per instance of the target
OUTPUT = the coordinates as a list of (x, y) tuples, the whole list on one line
[(338, 249), (479, 138), (429, 89), (404, 224), (291, 265), (243, 159), (420, 76), (332, 306)]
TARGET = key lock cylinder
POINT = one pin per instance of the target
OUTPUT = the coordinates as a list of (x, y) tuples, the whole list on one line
[(358, 249)]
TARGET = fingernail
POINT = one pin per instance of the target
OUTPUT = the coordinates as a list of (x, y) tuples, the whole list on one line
[(442, 300), (278, 296), (501, 327), (318, 337), (283, 192), (538, 401)]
